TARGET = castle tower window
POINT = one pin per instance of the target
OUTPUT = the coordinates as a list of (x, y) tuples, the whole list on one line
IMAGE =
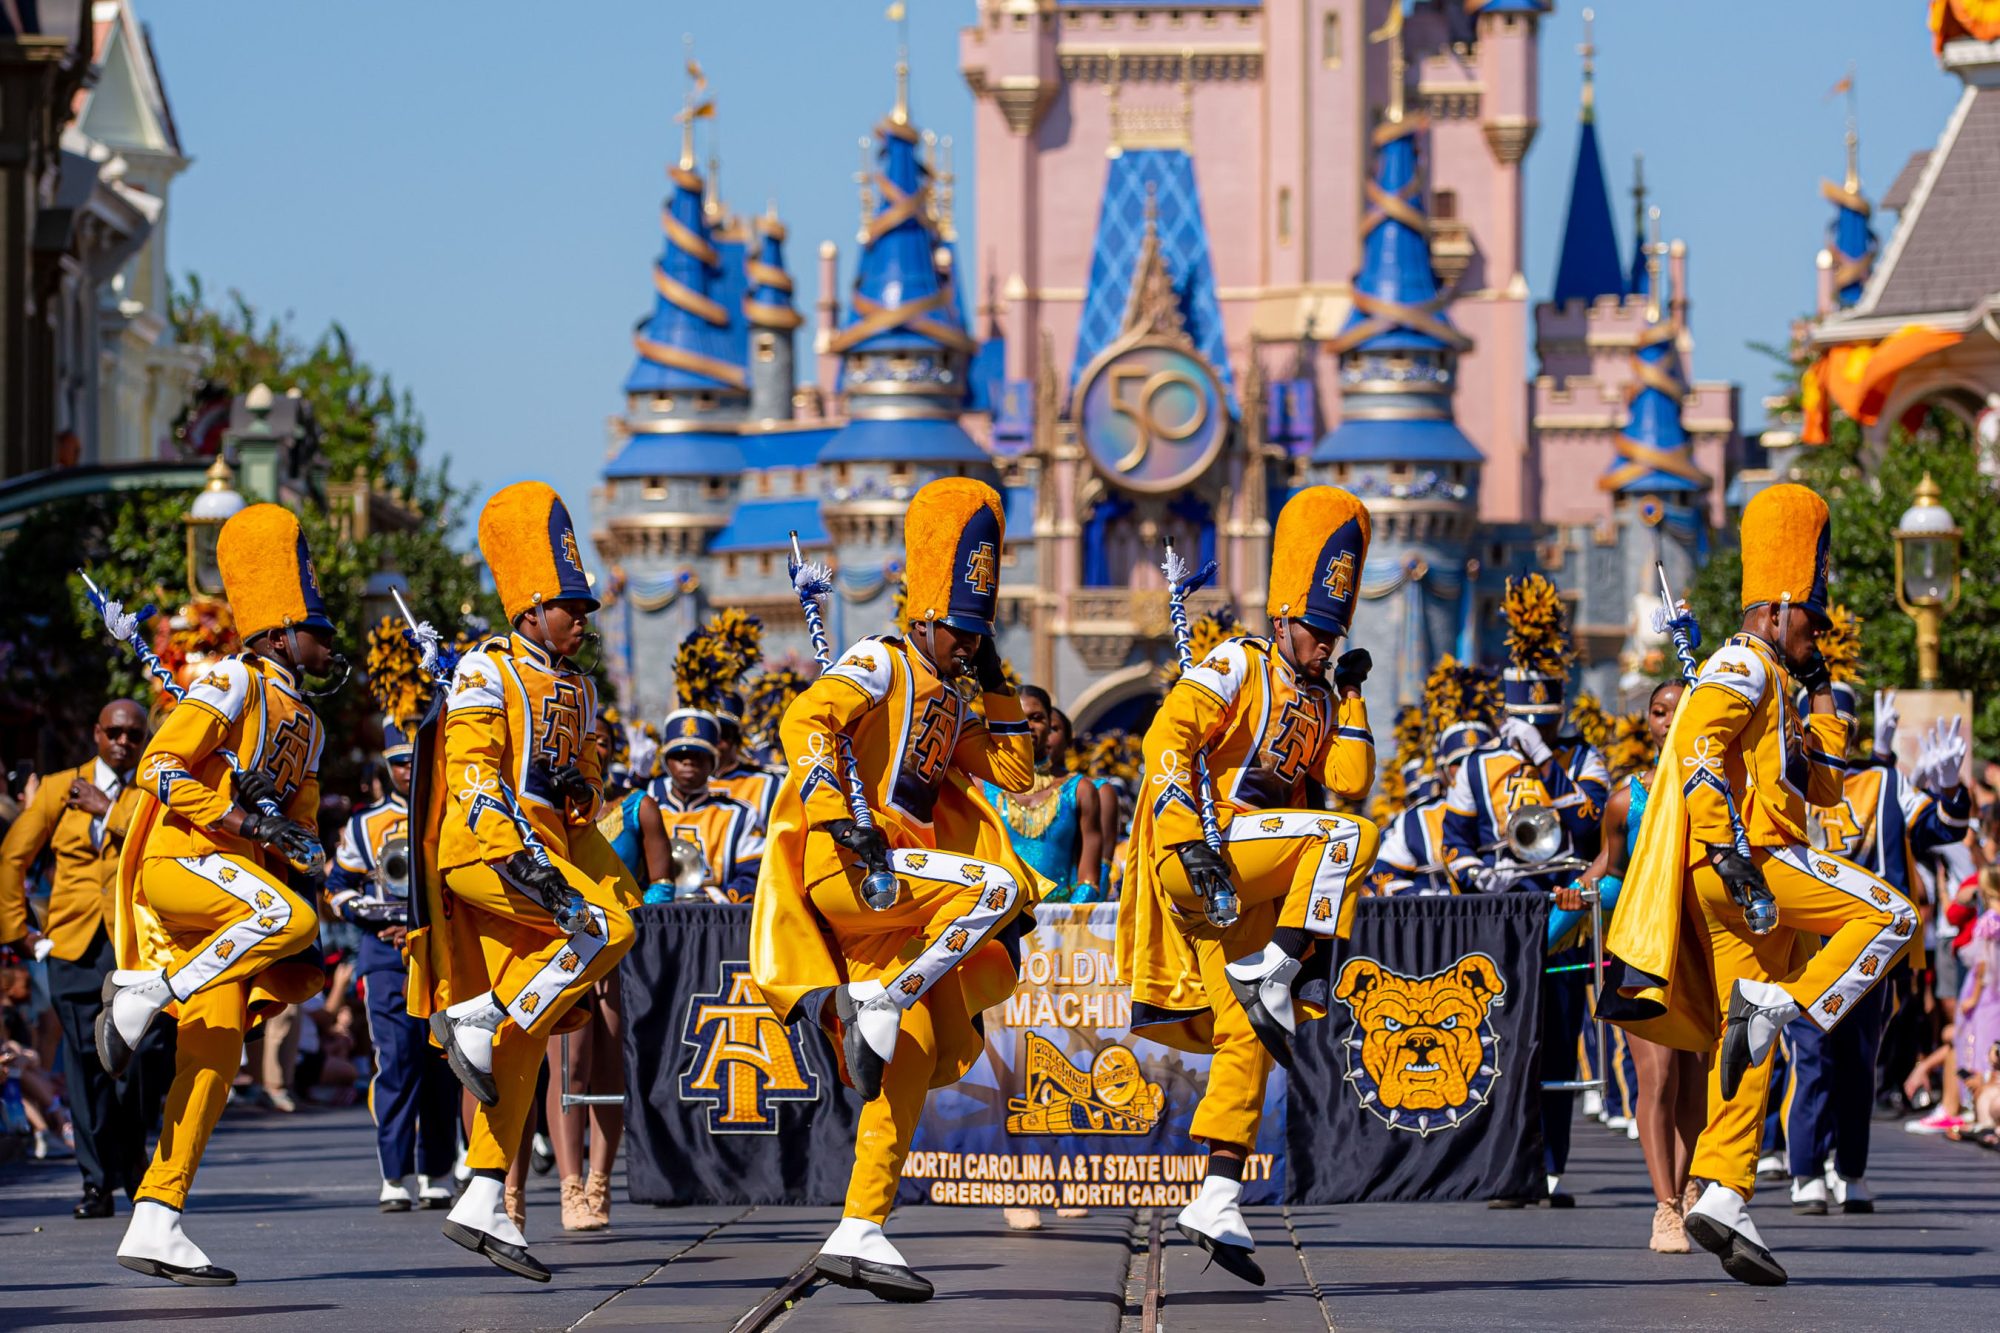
[(663, 402), (765, 345), (653, 488), (1329, 41), (1444, 205), (715, 488), (1284, 215), (731, 566), (763, 483)]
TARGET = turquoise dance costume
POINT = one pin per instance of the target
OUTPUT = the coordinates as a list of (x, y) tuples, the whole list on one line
[(1561, 923), (1051, 852)]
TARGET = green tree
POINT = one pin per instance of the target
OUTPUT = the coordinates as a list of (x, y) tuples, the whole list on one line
[(56, 663), (1867, 496)]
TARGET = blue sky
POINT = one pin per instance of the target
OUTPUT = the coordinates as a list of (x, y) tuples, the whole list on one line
[(472, 189)]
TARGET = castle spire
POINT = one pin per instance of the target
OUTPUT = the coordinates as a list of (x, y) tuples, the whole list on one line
[(1850, 242), (1637, 283), (690, 340), (1587, 267), (1655, 454)]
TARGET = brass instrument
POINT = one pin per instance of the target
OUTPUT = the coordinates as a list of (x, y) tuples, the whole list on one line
[(688, 869), (393, 865)]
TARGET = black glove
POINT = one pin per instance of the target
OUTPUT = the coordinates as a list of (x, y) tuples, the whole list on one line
[(867, 845), (569, 784), (1352, 668), (1812, 673), (546, 885), (295, 842), (254, 789), (987, 667), (1746, 886), (1207, 872)]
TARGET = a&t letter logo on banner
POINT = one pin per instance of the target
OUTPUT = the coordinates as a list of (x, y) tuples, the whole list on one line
[(745, 1061)]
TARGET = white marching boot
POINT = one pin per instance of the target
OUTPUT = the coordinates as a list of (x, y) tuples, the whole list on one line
[(1809, 1196), (132, 1000), (1214, 1221), (1262, 984), (1853, 1195), (1758, 1012), (465, 1031), (869, 1022), (155, 1245), (479, 1222), (1720, 1223), (858, 1255), (432, 1194), (398, 1196)]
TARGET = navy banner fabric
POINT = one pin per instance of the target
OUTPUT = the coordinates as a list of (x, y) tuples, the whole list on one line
[(1422, 1081), (1419, 1084), (725, 1104)]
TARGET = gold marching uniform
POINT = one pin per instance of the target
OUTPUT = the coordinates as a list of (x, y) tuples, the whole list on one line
[(1265, 731), (514, 714), (921, 752), (1682, 939), (213, 910)]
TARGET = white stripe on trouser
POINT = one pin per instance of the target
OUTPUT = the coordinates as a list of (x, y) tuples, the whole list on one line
[(1872, 963), (1336, 859), (963, 934), (269, 913), (559, 973)]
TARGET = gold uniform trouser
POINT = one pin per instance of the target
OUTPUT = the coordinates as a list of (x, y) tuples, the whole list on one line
[(1867, 924), (230, 921), (538, 973), (950, 905), (1313, 864)]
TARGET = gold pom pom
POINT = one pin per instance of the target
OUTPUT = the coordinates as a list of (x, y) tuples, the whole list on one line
[(769, 695), (1537, 626), (1630, 749), (1591, 721), (1205, 632), (1840, 644), (397, 681)]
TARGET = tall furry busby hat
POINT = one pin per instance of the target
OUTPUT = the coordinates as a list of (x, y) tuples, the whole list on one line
[(951, 543), (529, 543), (1317, 553), (1458, 709), (268, 574), (1786, 532), (1537, 647)]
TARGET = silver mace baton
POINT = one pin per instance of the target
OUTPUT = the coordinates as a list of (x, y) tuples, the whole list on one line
[(1223, 907), (124, 627), (1760, 912), (427, 639), (879, 887)]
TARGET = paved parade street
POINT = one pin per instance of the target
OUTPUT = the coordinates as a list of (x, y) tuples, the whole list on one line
[(289, 1200)]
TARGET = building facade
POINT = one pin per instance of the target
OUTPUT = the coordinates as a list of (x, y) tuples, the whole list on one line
[(1225, 252)]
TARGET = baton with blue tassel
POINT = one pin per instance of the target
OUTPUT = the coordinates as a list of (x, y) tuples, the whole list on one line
[(123, 626), (812, 581), (1223, 907), (1760, 910)]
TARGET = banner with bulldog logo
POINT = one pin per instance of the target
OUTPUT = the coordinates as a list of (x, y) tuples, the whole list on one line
[(1067, 1108), (725, 1104), (1422, 1082)]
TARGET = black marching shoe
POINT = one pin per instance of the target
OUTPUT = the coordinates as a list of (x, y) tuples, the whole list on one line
[(477, 1081), (1233, 1259), (95, 1203), (1258, 991), (513, 1258), (1720, 1223), (207, 1275), (1757, 1013), (885, 1282)]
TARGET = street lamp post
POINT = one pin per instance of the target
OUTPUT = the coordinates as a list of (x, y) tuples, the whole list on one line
[(212, 508), (1927, 551)]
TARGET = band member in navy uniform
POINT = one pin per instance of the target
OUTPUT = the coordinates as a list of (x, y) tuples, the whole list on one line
[(413, 1095)]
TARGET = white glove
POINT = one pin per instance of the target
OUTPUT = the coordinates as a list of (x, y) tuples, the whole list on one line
[(1886, 720), (1941, 766), (1525, 737)]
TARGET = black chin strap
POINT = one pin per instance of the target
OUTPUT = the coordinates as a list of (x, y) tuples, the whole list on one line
[(339, 668)]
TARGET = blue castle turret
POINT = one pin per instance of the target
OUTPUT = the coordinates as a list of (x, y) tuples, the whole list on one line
[(1661, 497), (1850, 241), (773, 324), (1397, 445), (904, 354), (1588, 267)]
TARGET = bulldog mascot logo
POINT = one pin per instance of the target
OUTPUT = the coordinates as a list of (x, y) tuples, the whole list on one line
[(1422, 1055)]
